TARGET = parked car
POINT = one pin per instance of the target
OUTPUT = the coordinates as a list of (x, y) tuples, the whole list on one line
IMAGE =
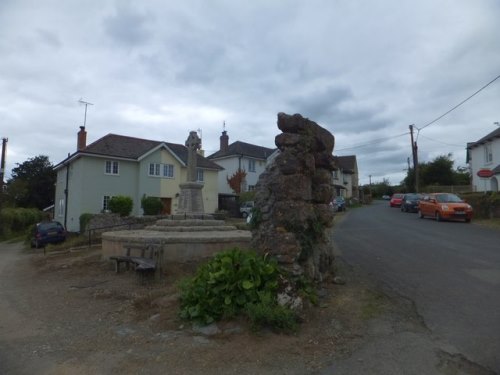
[(338, 204), (443, 206), (386, 197), (410, 201), (246, 208), (47, 232), (396, 200)]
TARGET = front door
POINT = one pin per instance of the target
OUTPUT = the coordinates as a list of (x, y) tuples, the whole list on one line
[(167, 206)]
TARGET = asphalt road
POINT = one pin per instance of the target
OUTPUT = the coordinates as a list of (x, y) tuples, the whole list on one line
[(451, 270)]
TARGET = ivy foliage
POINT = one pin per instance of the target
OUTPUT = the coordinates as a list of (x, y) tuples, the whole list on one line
[(227, 285)]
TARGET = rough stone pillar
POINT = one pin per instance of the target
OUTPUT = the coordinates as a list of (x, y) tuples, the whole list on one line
[(293, 218)]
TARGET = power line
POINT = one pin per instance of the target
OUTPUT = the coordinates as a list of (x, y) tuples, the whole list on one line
[(372, 142), (459, 104), (444, 143)]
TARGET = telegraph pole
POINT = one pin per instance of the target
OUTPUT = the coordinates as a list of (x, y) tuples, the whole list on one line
[(414, 151)]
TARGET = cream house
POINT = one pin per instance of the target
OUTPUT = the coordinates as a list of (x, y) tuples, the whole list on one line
[(120, 165)]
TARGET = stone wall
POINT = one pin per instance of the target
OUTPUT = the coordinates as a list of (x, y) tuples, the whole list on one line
[(293, 218)]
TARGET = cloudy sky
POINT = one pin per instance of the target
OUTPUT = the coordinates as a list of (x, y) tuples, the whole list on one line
[(365, 70)]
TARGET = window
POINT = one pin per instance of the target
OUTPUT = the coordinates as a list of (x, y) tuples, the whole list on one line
[(111, 167), (251, 165), (336, 174), (168, 170), (60, 210), (161, 170), (200, 177), (251, 187), (488, 154), (105, 202)]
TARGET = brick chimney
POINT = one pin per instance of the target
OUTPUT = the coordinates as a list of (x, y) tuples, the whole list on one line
[(82, 139), (224, 141)]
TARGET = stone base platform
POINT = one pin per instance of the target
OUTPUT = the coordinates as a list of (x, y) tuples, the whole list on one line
[(181, 239)]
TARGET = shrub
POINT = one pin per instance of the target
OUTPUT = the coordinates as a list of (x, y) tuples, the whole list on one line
[(84, 221), (267, 313), (17, 220), (226, 285), (151, 205), (121, 205)]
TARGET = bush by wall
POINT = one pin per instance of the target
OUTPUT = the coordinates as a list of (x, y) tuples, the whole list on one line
[(121, 205), (151, 205), (84, 221)]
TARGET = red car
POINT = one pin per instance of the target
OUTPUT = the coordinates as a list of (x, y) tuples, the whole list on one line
[(396, 200)]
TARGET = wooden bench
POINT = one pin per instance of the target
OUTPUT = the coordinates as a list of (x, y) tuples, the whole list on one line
[(149, 260)]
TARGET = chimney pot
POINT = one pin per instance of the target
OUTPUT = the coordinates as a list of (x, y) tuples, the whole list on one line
[(81, 139), (224, 141)]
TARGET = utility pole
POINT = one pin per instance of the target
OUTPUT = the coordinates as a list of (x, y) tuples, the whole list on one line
[(414, 151)]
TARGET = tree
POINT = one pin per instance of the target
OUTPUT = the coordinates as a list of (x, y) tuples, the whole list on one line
[(438, 172), (32, 184), (236, 180)]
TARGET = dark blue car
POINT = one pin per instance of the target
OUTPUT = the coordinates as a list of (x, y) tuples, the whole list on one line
[(47, 232)]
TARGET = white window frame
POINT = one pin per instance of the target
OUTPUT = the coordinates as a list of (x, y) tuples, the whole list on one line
[(112, 167), (60, 211), (488, 153), (161, 170), (168, 170), (251, 165), (200, 175), (105, 202)]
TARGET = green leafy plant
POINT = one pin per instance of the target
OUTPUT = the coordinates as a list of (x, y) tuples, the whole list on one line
[(267, 313), (151, 205), (226, 285), (121, 205), (84, 221)]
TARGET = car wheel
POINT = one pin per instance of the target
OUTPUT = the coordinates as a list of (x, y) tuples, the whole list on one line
[(467, 220), (438, 216), (244, 214), (420, 215)]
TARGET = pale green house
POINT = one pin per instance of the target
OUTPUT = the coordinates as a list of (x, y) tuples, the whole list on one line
[(120, 165)]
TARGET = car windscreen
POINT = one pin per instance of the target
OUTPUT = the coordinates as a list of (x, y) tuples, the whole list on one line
[(50, 226), (448, 198)]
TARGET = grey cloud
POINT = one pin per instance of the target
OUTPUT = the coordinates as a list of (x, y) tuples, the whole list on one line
[(127, 26), (49, 38)]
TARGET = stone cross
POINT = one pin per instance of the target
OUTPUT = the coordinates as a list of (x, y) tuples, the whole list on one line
[(193, 144)]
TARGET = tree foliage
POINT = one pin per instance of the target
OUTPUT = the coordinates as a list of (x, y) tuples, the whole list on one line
[(438, 172), (32, 184), (236, 180)]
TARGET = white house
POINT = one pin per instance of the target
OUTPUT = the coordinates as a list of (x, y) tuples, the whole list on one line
[(134, 167), (483, 157), (239, 156), (345, 178)]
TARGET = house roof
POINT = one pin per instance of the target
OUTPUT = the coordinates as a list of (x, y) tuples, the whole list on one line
[(246, 149), (489, 137), (120, 146), (347, 163)]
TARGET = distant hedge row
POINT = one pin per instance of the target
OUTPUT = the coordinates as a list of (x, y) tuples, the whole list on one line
[(18, 220)]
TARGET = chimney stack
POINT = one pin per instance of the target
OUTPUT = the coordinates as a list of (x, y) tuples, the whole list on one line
[(224, 141), (82, 139)]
